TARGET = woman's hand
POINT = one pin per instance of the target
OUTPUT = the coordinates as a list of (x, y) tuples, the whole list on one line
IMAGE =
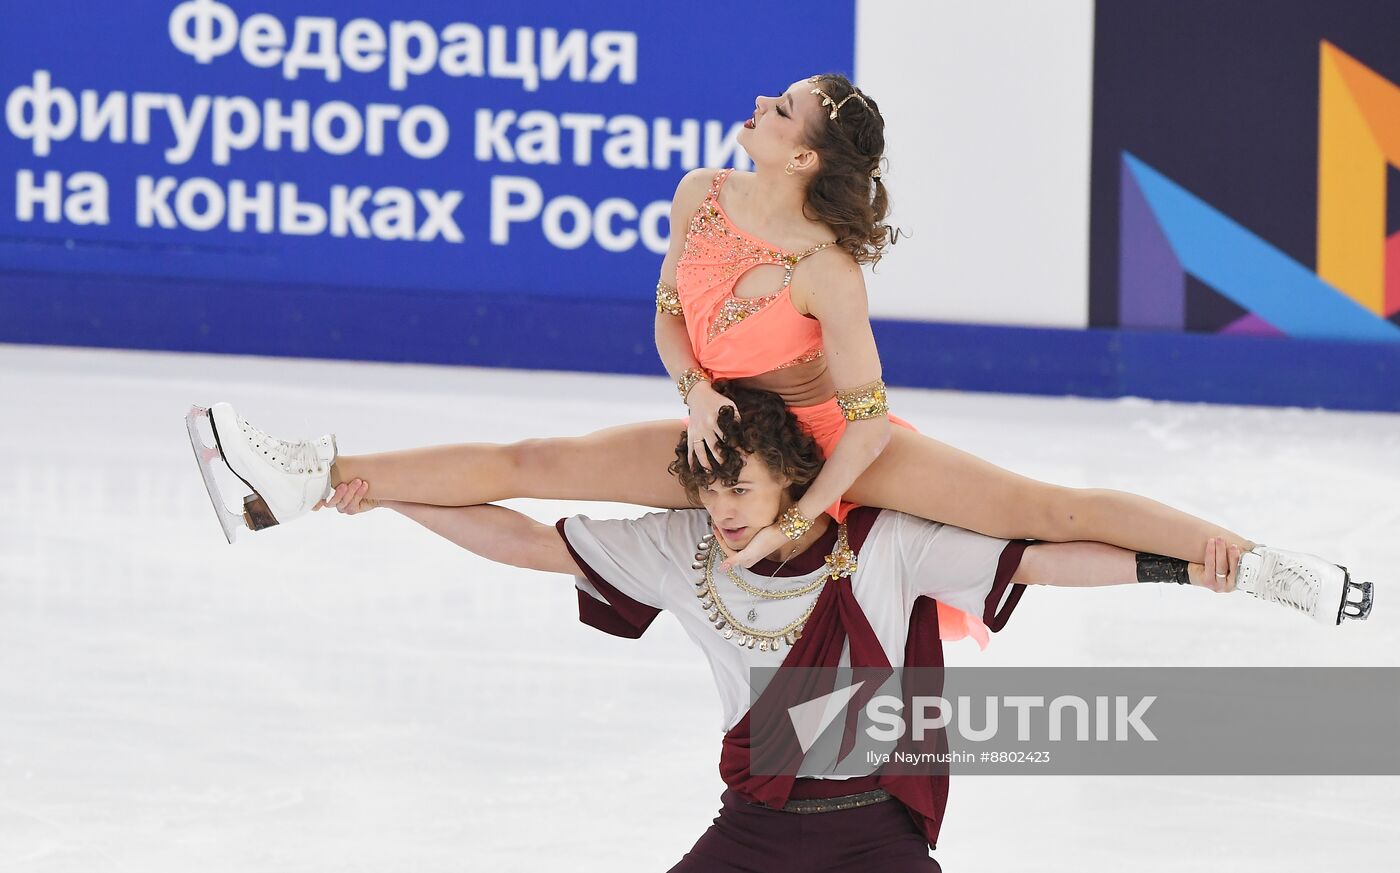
[(763, 544), (349, 498), (1220, 567), (704, 433)]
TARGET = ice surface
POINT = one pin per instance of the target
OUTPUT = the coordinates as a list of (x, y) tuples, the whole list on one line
[(357, 695)]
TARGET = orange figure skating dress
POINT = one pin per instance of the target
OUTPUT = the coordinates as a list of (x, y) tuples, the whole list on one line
[(742, 337)]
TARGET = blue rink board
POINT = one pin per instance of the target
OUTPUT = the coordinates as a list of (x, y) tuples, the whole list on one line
[(615, 337)]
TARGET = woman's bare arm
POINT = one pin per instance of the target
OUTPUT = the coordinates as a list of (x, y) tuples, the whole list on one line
[(839, 302), (672, 342), (672, 338), (837, 299)]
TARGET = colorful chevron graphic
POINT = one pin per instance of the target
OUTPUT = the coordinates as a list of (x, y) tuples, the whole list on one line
[(1167, 233)]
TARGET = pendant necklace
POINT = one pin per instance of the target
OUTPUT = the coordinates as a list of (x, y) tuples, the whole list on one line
[(841, 562)]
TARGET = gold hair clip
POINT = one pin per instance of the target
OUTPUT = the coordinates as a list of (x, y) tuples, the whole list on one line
[(836, 107)]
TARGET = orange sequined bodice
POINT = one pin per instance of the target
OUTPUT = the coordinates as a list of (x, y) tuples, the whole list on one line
[(742, 337), (739, 337)]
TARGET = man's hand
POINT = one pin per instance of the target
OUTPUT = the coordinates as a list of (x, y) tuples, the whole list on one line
[(1221, 566), (349, 498)]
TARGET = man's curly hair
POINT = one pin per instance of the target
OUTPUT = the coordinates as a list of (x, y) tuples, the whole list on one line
[(764, 430)]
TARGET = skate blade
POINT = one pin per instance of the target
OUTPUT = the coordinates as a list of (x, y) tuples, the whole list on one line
[(206, 456), (1357, 598), (257, 515)]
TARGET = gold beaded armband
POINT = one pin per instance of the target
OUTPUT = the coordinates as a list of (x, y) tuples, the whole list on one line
[(867, 401), (668, 299), (793, 523), (688, 381)]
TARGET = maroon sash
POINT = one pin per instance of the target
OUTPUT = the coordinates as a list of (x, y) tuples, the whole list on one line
[(836, 618)]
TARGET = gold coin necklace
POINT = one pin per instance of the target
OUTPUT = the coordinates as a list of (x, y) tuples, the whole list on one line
[(841, 562)]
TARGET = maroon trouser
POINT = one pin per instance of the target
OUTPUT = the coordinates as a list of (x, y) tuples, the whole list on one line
[(747, 838)]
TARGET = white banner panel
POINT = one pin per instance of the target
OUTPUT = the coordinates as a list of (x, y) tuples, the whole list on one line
[(987, 107)]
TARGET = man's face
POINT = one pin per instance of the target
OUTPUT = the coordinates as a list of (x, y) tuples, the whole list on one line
[(743, 509)]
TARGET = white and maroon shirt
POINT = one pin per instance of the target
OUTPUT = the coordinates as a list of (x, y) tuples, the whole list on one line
[(884, 615), (648, 562)]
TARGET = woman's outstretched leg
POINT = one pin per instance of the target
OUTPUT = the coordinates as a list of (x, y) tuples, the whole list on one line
[(281, 480), (930, 479), (625, 464)]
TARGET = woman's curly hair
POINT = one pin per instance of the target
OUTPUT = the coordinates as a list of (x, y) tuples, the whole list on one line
[(765, 430), (842, 193)]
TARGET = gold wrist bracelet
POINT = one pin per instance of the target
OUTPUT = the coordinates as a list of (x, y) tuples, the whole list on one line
[(793, 523), (688, 381), (867, 401), (668, 299)]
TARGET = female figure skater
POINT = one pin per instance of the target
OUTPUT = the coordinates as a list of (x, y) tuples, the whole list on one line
[(762, 284)]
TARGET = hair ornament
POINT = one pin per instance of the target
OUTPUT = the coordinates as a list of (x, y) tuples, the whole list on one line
[(836, 107)]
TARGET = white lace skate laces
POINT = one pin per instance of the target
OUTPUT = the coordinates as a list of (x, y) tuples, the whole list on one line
[(1290, 586), (304, 453), (298, 457)]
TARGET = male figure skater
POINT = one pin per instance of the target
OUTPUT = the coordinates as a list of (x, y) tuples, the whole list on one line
[(860, 594)]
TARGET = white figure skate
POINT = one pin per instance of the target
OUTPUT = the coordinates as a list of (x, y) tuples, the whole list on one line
[(1324, 592), (285, 478)]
